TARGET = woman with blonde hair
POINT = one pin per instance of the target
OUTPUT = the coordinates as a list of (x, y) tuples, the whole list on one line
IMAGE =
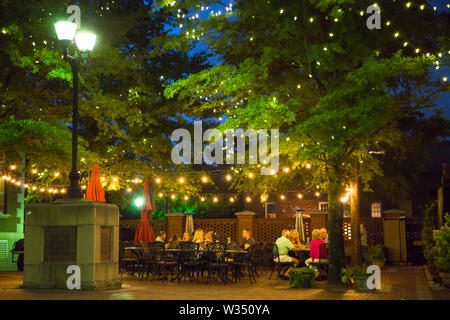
[(186, 237), (315, 249), (198, 236), (293, 236)]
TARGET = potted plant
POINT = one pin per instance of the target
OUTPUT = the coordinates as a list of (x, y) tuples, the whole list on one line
[(359, 275), (376, 255), (301, 278), (441, 251)]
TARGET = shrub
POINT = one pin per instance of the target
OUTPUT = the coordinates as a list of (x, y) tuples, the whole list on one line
[(441, 251), (376, 253), (427, 236)]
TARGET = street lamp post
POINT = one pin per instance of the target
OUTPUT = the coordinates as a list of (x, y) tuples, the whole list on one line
[(85, 43)]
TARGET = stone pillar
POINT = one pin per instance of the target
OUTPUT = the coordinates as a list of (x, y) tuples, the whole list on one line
[(72, 232), (394, 229), (246, 220), (318, 220), (175, 224)]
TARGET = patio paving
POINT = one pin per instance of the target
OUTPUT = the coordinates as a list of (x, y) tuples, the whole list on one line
[(398, 283)]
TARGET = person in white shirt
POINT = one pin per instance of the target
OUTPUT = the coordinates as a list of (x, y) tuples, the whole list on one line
[(161, 236)]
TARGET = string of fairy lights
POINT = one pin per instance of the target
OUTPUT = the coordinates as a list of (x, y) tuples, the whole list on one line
[(38, 187)]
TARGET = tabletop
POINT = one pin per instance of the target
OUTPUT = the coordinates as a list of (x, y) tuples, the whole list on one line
[(179, 250)]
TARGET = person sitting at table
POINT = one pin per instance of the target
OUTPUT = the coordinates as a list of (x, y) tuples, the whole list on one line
[(284, 245), (247, 239), (173, 243), (198, 236), (161, 236), (209, 236), (186, 237), (324, 235), (294, 238), (314, 250)]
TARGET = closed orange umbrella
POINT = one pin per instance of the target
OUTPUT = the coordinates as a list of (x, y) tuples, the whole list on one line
[(94, 190), (144, 231)]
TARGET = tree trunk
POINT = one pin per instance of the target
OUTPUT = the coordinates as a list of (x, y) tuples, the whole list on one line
[(355, 221), (336, 253)]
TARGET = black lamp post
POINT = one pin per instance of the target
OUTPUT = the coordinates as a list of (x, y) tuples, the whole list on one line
[(85, 42)]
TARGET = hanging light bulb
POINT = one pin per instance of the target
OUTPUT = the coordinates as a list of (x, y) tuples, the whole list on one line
[(248, 199), (282, 197), (204, 179), (56, 174), (34, 171), (228, 177), (250, 175), (186, 198), (172, 196), (317, 194), (158, 180), (263, 198), (13, 167), (308, 165), (115, 179), (286, 169), (215, 199), (181, 180), (299, 196), (202, 199), (231, 199), (160, 194)]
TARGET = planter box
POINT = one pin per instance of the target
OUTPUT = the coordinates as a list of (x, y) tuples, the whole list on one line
[(361, 283)]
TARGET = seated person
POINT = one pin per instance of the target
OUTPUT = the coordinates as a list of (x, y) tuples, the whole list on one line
[(161, 236), (209, 236), (324, 235), (198, 238), (314, 250), (284, 245), (173, 243), (294, 238), (186, 237), (247, 239)]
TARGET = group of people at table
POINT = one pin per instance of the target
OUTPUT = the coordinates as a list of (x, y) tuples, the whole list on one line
[(289, 245)]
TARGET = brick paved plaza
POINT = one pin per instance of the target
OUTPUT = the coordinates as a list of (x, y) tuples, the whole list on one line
[(398, 283)]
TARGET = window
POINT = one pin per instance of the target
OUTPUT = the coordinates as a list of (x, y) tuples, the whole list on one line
[(375, 209), (323, 206)]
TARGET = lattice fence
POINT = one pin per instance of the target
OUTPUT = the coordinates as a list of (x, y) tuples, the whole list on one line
[(223, 227), (374, 228), (270, 229)]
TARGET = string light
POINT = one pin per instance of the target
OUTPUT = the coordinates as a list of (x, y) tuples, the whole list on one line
[(204, 179), (34, 171), (308, 165), (250, 175), (248, 199), (263, 198), (56, 174), (202, 199), (228, 177), (231, 199), (186, 198), (172, 196), (282, 197), (158, 180), (13, 167), (215, 199), (286, 169), (181, 180), (160, 195), (299, 196), (317, 194)]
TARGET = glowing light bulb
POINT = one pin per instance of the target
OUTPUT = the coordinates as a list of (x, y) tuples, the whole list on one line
[(181, 180), (172, 196), (129, 190), (33, 188), (282, 197), (228, 177), (299, 196), (186, 198), (204, 179), (317, 194), (160, 195), (215, 199), (56, 174), (34, 171), (248, 199), (263, 198), (286, 169), (250, 175), (115, 179), (308, 165), (231, 199), (13, 167), (202, 199)]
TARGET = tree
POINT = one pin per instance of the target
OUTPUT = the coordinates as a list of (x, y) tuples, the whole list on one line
[(125, 120), (334, 88)]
